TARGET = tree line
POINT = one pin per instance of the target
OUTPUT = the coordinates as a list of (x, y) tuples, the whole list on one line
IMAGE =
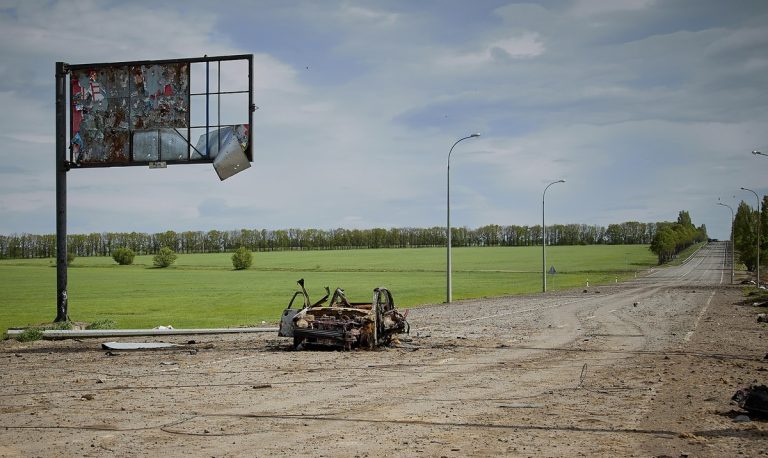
[(745, 229), (17, 246), (672, 238)]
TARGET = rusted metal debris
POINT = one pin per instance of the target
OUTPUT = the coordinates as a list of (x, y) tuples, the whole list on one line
[(342, 323), (137, 345), (753, 399)]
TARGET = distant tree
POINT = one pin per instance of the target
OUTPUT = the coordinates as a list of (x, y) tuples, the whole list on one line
[(764, 231), (70, 256), (242, 258), (164, 258), (614, 234), (123, 256), (663, 244), (745, 235), (672, 238), (684, 219)]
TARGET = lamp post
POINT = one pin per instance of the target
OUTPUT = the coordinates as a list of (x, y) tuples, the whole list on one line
[(758, 233), (544, 239), (732, 217), (449, 286), (758, 153)]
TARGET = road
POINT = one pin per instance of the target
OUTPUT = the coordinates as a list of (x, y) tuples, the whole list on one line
[(641, 368)]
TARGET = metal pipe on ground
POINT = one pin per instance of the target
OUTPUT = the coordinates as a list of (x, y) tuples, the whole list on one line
[(73, 333)]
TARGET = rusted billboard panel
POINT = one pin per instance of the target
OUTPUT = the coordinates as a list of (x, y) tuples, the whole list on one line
[(180, 111), (110, 103)]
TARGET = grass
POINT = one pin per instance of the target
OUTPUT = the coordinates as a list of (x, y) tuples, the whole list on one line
[(685, 254), (101, 324), (203, 290), (30, 335)]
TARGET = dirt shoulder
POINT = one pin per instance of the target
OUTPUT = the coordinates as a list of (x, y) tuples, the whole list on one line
[(696, 379)]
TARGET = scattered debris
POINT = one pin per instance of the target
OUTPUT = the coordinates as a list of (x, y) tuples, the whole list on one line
[(163, 328), (762, 317), (689, 436), (405, 346), (137, 345), (262, 386), (343, 323), (87, 397), (583, 375), (753, 399), (521, 406), (742, 419)]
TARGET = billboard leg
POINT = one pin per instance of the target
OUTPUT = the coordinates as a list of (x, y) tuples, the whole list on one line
[(61, 195)]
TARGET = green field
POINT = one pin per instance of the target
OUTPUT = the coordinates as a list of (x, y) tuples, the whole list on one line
[(202, 290)]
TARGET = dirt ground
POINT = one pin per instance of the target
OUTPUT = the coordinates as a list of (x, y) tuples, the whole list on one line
[(643, 368)]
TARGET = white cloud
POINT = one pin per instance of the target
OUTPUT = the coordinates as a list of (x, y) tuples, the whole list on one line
[(90, 31), (524, 45), (368, 15), (597, 7)]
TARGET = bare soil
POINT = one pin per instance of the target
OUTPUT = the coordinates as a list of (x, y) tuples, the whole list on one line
[(644, 368)]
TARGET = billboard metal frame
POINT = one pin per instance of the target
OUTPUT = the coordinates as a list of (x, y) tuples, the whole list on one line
[(65, 163)]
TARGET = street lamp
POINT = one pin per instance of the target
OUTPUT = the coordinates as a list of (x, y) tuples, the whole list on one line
[(756, 153), (449, 288), (544, 240), (732, 217), (758, 233)]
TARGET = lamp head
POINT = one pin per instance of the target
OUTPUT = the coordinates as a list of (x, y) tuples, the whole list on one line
[(474, 135)]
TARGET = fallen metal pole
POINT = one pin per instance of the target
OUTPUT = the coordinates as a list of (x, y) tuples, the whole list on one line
[(71, 334)]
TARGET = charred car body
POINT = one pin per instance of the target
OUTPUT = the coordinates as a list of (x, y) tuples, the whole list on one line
[(342, 323)]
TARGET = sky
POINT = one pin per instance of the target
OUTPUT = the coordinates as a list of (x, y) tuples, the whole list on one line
[(644, 107)]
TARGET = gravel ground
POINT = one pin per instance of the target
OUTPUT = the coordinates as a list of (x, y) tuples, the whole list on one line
[(643, 368)]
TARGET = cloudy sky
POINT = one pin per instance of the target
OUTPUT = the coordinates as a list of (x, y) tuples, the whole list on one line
[(644, 107)]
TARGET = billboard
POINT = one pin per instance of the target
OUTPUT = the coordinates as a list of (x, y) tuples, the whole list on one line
[(170, 112)]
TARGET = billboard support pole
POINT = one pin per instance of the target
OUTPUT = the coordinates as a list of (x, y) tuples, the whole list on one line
[(62, 165)]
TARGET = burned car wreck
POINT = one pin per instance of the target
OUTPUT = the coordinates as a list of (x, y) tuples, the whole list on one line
[(341, 323), (753, 399)]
